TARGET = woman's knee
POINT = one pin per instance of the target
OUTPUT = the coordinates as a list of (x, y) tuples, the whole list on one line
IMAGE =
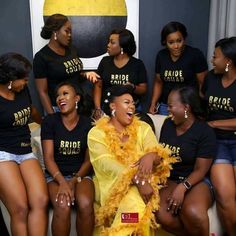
[(85, 204), (40, 201), (192, 214), (166, 220), (20, 211)]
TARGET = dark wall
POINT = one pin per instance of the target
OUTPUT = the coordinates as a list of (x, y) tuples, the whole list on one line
[(154, 14)]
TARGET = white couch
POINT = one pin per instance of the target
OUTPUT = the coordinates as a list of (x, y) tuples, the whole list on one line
[(215, 227)]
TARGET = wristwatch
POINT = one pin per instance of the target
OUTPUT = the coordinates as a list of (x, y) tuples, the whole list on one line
[(78, 178), (187, 185)]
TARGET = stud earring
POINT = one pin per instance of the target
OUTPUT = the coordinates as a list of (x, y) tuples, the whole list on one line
[(10, 85), (76, 105), (113, 112), (121, 51), (227, 67), (55, 36), (185, 114)]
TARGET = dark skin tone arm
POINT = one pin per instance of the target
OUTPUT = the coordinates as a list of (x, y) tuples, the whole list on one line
[(229, 124), (36, 115), (156, 93), (42, 87), (176, 198)]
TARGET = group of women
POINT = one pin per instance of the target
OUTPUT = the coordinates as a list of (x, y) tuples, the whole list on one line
[(118, 163)]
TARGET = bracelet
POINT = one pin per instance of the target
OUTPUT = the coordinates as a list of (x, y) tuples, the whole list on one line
[(78, 178), (56, 174)]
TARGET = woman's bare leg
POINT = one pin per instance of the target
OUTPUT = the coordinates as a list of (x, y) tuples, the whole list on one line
[(37, 193)]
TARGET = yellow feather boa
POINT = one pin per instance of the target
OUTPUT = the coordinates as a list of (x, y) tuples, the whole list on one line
[(127, 155)]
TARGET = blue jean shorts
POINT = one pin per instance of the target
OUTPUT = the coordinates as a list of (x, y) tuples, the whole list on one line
[(226, 152), (163, 109), (206, 181), (49, 178), (6, 156)]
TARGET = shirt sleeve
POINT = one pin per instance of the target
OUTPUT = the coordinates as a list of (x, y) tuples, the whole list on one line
[(39, 66), (200, 64), (207, 143), (158, 64), (142, 73), (101, 158), (149, 140)]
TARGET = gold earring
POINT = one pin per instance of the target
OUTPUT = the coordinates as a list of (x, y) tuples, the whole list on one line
[(113, 112), (227, 67), (185, 114), (55, 36), (121, 51), (10, 85)]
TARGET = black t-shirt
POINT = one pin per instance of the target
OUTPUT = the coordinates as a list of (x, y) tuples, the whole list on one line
[(181, 72), (221, 102), (69, 146), (134, 72), (56, 68), (14, 118), (197, 142)]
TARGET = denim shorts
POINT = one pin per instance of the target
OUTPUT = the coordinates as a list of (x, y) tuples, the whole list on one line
[(6, 156), (206, 180), (226, 152), (163, 109), (49, 178)]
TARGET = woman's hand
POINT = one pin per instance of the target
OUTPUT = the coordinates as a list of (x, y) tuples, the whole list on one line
[(153, 109), (97, 113), (176, 198), (65, 193), (145, 167), (145, 191), (92, 76)]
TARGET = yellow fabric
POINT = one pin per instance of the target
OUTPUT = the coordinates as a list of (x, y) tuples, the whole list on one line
[(85, 7), (115, 194)]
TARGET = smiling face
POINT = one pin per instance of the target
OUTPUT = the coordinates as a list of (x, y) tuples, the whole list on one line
[(66, 99), (125, 107), (219, 61), (113, 46), (64, 34), (175, 43), (19, 84), (176, 108)]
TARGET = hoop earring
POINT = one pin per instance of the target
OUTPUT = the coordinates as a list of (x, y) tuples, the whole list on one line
[(55, 36), (121, 51), (185, 114), (227, 67), (113, 112), (76, 105), (10, 85)]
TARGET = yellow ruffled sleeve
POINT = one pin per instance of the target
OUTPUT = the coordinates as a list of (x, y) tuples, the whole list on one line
[(106, 168)]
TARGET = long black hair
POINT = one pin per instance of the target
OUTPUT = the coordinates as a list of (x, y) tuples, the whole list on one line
[(13, 66)]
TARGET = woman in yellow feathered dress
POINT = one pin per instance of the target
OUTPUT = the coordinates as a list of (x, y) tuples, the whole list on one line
[(130, 167)]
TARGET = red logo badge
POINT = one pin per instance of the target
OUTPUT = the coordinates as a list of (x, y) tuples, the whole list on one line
[(129, 217)]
